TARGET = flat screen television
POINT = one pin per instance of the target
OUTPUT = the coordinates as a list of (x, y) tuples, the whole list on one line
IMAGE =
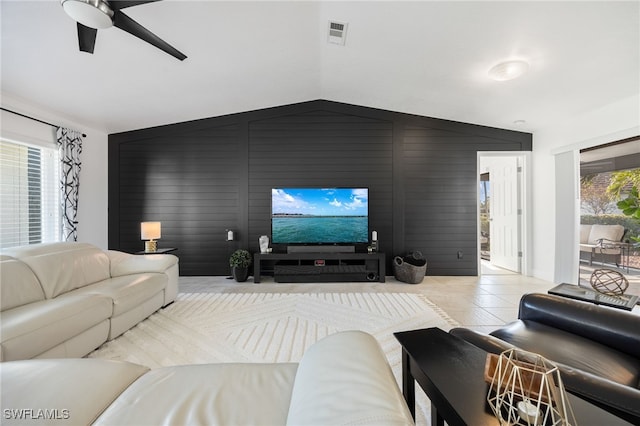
[(319, 216)]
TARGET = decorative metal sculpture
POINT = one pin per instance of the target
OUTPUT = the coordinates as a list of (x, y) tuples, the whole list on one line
[(526, 389), (608, 281)]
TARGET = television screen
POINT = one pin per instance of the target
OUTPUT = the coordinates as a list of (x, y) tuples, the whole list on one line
[(319, 215)]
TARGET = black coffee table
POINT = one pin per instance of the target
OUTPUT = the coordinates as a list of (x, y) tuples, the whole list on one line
[(451, 372)]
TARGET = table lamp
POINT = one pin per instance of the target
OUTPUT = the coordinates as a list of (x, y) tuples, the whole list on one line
[(150, 231)]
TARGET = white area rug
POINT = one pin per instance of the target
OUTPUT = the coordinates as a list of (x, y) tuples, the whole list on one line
[(267, 327)]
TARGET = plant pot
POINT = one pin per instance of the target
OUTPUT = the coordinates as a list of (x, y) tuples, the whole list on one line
[(240, 274)]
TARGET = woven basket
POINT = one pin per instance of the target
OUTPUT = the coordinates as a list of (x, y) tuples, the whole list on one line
[(411, 268)]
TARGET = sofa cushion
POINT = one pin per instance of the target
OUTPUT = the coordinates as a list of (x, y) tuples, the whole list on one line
[(572, 350), (18, 284), (127, 264), (348, 372), (73, 391), (585, 230), (62, 267), (207, 394), (607, 232), (613, 328), (32, 329), (128, 291)]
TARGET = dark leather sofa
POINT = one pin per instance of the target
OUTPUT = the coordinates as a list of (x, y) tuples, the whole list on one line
[(596, 348)]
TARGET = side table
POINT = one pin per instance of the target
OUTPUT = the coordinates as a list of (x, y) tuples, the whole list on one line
[(451, 372), (623, 301), (159, 251)]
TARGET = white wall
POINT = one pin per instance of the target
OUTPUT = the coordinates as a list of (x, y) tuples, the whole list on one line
[(93, 197), (612, 122)]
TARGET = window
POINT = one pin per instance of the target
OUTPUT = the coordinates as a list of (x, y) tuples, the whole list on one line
[(29, 195)]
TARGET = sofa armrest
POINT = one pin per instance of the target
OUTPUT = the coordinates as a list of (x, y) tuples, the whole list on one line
[(620, 400), (623, 401), (602, 241), (75, 390), (349, 373), (483, 341), (612, 327), (127, 264)]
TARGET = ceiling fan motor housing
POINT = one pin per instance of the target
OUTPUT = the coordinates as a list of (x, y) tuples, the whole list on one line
[(91, 13)]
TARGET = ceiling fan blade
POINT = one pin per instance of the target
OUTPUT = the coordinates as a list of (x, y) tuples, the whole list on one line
[(127, 24), (86, 38), (121, 4)]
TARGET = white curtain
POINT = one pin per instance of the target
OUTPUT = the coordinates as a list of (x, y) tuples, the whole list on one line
[(70, 148)]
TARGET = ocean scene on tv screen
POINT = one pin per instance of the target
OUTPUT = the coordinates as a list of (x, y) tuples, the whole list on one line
[(319, 215)]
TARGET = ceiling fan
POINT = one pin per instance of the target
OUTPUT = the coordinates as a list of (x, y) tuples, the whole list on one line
[(93, 14)]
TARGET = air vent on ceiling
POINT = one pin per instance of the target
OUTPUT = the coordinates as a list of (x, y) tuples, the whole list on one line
[(337, 32)]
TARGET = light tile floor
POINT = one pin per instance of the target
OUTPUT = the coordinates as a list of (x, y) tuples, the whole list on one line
[(481, 303)]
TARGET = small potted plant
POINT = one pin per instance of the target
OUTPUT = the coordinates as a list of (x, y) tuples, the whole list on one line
[(239, 262)]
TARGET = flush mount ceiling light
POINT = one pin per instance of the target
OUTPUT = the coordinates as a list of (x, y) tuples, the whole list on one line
[(508, 70), (91, 13)]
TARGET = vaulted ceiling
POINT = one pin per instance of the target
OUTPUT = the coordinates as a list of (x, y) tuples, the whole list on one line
[(423, 57)]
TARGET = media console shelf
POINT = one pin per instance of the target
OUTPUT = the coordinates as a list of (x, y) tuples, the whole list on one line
[(320, 267)]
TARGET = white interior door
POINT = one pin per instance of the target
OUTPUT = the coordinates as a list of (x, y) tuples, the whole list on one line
[(504, 220)]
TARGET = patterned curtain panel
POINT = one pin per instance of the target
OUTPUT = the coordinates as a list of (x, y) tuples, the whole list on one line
[(69, 147)]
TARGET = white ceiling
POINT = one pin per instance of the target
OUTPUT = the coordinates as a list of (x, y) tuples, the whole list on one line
[(422, 57)]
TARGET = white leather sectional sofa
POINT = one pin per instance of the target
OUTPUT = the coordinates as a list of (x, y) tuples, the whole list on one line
[(344, 379), (65, 299)]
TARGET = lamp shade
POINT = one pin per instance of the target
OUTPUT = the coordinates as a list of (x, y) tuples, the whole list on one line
[(149, 230)]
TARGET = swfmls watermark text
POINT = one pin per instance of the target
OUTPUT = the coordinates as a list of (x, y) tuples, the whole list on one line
[(36, 414)]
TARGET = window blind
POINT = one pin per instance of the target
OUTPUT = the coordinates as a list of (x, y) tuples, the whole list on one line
[(29, 195)]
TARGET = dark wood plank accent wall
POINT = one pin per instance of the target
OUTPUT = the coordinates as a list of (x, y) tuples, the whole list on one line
[(202, 177), (321, 149), (441, 196), (191, 184)]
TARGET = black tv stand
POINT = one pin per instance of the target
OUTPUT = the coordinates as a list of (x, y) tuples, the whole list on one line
[(320, 267)]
